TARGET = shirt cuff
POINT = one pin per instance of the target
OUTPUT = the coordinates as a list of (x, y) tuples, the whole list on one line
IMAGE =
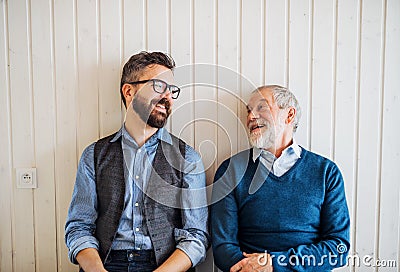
[(193, 247), (80, 244)]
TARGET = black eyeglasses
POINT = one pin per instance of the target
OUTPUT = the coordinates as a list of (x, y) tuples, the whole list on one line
[(160, 86)]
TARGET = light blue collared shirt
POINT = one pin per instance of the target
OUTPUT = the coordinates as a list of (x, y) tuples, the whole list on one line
[(193, 238), (278, 166)]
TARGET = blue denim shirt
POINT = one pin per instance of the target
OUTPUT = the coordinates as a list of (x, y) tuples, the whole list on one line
[(132, 231)]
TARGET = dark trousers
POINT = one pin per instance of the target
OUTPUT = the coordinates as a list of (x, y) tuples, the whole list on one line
[(130, 261)]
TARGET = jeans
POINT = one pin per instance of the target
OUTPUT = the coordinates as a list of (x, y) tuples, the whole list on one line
[(130, 261)]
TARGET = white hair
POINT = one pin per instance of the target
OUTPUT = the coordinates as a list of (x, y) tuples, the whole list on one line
[(284, 99)]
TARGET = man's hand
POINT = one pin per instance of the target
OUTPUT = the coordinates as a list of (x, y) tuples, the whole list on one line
[(90, 261), (258, 262)]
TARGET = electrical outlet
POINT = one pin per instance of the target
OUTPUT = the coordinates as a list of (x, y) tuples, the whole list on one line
[(26, 178)]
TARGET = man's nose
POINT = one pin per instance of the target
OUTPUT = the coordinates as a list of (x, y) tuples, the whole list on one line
[(167, 95), (251, 115)]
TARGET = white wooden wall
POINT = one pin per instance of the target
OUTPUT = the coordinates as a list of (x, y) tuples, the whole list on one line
[(60, 64)]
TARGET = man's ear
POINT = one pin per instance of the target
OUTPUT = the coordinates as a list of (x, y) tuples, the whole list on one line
[(290, 116), (129, 92)]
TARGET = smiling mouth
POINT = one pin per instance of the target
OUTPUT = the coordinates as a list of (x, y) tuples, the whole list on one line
[(161, 107), (255, 127)]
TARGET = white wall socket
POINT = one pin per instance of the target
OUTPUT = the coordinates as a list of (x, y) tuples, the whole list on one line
[(26, 178)]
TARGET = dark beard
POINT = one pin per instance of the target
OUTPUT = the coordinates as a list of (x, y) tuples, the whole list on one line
[(148, 114)]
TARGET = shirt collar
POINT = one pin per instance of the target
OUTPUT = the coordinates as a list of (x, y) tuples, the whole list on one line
[(161, 134), (294, 147)]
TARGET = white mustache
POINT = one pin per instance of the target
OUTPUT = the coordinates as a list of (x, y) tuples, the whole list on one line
[(254, 124)]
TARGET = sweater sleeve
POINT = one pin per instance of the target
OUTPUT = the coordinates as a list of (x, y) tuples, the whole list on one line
[(224, 220), (332, 249)]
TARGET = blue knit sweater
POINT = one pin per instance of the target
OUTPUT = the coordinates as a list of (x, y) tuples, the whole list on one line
[(301, 218)]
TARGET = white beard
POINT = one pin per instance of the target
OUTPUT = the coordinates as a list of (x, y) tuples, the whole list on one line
[(266, 139)]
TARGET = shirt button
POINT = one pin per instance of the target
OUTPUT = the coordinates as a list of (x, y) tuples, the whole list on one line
[(136, 204), (137, 229), (137, 177), (130, 255), (139, 150)]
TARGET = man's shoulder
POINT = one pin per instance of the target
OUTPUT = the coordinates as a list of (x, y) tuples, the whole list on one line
[(87, 154), (177, 139), (238, 161), (241, 157), (317, 158), (107, 138)]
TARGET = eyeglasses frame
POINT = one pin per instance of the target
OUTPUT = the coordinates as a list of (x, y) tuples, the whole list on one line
[(167, 86)]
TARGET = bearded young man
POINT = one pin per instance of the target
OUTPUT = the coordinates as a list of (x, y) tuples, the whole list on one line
[(138, 202), (278, 207)]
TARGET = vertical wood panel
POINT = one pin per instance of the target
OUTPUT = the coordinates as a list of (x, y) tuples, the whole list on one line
[(158, 25), (299, 46), (275, 42), (389, 210), (133, 27), (109, 68), (6, 245), (88, 77), (346, 97), (252, 42), (322, 86), (43, 98), (228, 33), (205, 80), (182, 52), (65, 35), (370, 79), (22, 131)]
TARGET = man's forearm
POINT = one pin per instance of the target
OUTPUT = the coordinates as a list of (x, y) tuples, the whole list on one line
[(177, 262), (89, 260)]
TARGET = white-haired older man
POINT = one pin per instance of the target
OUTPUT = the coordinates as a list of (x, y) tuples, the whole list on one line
[(278, 207)]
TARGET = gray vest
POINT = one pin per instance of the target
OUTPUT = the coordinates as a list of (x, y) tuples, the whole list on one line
[(161, 219)]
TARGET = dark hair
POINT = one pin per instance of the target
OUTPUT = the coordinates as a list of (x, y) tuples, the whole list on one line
[(137, 64)]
